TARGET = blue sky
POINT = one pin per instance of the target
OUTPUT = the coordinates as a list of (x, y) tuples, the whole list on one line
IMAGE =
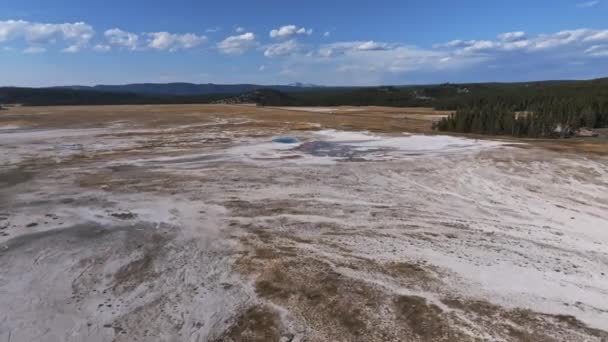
[(335, 42)]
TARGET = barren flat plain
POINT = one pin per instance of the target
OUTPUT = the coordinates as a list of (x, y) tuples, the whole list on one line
[(245, 223)]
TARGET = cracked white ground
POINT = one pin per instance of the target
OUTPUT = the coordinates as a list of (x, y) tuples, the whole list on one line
[(208, 231)]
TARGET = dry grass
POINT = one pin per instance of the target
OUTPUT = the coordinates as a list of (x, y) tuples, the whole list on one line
[(391, 119), (521, 324), (257, 324), (376, 119), (424, 319)]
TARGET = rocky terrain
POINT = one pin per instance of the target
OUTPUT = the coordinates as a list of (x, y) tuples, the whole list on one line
[(240, 223)]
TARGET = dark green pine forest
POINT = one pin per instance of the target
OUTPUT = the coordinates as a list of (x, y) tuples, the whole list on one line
[(535, 111)]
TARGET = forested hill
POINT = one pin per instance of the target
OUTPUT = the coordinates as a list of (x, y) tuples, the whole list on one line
[(191, 89), (553, 109), (448, 96), (534, 109), (68, 96), (531, 109), (443, 96)]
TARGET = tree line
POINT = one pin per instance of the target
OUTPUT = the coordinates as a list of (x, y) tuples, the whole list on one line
[(553, 117), (531, 109)]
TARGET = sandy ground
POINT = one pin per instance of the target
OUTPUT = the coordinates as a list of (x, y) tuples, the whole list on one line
[(189, 223)]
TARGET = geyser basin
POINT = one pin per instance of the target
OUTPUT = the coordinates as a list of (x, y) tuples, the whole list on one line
[(285, 140)]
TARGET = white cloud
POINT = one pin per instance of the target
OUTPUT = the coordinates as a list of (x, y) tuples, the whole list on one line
[(102, 48), (598, 36), (480, 46), (512, 36), (237, 45), (34, 50), (516, 45), (373, 46), (518, 50), (75, 35), (513, 55), (160, 41), (72, 49), (520, 41), (574, 40), (334, 49), (512, 50), (588, 4), (360, 60), (370, 57), (120, 38), (174, 42), (285, 48), (455, 44), (597, 51), (288, 31), (80, 33), (11, 29), (302, 30), (339, 48), (560, 38)]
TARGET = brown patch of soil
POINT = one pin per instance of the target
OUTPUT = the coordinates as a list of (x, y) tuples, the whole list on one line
[(423, 319), (523, 325), (257, 324)]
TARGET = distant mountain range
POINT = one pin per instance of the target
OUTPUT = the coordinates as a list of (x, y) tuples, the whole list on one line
[(447, 96), (191, 89)]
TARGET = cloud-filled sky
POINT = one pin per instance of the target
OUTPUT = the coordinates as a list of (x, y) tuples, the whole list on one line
[(337, 42)]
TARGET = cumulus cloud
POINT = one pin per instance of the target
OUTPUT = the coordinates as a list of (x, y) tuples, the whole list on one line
[(480, 46), (366, 59), (75, 35), (288, 31), (80, 33), (370, 57), (339, 48), (11, 29), (574, 40), (457, 43), (174, 42), (285, 48), (512, 36), (237, 45), (517, 51), (124, 39), (373, 46), (159, 41), (509, 51)]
